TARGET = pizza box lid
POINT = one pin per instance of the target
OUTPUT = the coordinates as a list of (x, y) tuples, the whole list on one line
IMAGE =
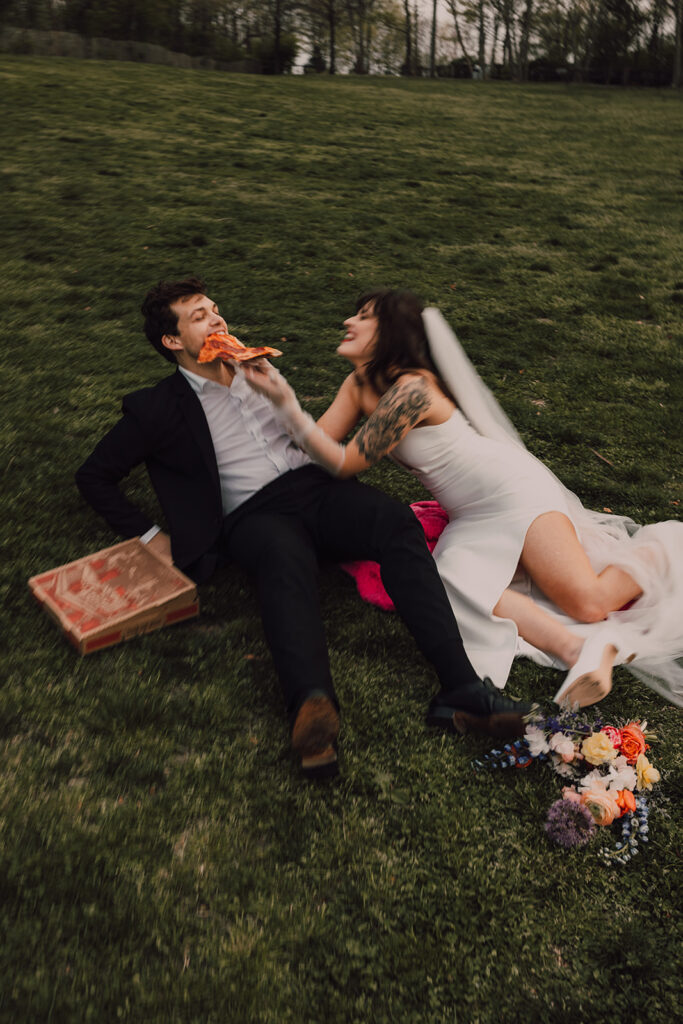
[(109, 588)]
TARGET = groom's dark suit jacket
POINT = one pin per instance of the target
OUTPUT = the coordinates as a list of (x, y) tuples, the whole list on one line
[(163, 426)]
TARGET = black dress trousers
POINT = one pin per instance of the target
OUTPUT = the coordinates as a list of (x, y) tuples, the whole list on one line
[(279, 535)]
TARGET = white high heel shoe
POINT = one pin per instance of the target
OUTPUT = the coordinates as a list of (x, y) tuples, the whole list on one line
[(590, 679)]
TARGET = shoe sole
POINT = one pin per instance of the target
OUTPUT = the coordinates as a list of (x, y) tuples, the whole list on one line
[(321, 766), (314, 736), (502, 725), (595, 682), (594, 685), (499, 726)]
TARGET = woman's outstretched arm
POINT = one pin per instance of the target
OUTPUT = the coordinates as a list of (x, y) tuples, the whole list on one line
[(399, 409), (341, 417)]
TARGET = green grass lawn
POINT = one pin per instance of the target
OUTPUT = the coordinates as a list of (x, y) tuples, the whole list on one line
[(160, 858)]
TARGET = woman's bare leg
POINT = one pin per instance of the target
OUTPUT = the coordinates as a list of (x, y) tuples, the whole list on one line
[(553, 557), (590, 662), (557, 563), (539, 628)]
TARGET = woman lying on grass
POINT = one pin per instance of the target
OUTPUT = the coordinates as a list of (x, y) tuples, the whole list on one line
[(527, 569)]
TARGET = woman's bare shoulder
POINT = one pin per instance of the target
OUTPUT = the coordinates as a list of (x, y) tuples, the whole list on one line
[(427, 384), (423, 379), (350, 383)]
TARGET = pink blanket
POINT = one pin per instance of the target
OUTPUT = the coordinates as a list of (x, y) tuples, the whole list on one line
[(366, 574)]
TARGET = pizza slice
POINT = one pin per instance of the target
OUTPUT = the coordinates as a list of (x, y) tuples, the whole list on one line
[(222, 345)]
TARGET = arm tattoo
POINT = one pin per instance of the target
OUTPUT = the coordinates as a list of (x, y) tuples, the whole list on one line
[(398, 410)]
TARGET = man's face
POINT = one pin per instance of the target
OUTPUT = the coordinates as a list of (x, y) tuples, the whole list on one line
[(198, 316)]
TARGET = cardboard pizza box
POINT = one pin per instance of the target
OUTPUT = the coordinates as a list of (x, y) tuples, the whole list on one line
[(114, 594)]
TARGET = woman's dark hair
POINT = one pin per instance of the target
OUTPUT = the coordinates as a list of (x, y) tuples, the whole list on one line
[(159, 317), (401, 338)]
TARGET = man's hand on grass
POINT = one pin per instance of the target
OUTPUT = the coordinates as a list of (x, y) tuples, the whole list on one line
[(160, 544)]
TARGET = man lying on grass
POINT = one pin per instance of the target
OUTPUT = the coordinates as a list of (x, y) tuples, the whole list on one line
[(234, 488)]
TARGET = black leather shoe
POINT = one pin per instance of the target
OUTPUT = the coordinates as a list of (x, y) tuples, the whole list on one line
[(314, 737), (479, 708)]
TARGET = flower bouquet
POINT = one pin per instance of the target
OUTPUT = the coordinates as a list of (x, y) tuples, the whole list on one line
[(609, 778)]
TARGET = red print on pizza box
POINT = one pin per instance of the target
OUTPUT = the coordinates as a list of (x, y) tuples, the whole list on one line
[(114, 594)]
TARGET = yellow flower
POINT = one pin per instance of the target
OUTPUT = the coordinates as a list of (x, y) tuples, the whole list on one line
[(647, 774), (598, 748)]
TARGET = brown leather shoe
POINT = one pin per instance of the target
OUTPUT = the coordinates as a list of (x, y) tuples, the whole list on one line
[(314, 736)]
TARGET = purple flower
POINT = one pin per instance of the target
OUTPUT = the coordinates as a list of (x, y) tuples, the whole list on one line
[(569, 824)]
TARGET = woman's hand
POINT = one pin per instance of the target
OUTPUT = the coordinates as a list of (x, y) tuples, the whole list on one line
[(263, 378), (300, 425), (269, 382)]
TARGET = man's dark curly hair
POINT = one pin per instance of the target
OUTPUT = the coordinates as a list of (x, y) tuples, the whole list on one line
[(159, 317)]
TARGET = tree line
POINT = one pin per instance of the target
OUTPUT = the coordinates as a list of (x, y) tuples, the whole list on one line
[(606, 41)]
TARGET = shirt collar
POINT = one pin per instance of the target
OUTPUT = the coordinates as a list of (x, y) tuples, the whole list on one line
[(200, 384)]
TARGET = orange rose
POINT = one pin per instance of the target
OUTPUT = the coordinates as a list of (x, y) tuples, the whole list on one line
[(602, 805), (632, 742), (626, 801)]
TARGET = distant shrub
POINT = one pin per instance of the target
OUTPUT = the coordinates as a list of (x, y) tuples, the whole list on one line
[(317, 63), (223, 49), (225, 55), (263, 50)]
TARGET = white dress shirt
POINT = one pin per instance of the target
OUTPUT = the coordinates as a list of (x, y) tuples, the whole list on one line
[(251, 446)]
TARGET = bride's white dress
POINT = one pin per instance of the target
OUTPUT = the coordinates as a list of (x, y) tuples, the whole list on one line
[(492, 492), (493, 489)]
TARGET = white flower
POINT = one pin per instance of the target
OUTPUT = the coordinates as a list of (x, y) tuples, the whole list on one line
[(594, 780), (535, 737), (562, 768), (562, 745), (623, 778), (621, 775)]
